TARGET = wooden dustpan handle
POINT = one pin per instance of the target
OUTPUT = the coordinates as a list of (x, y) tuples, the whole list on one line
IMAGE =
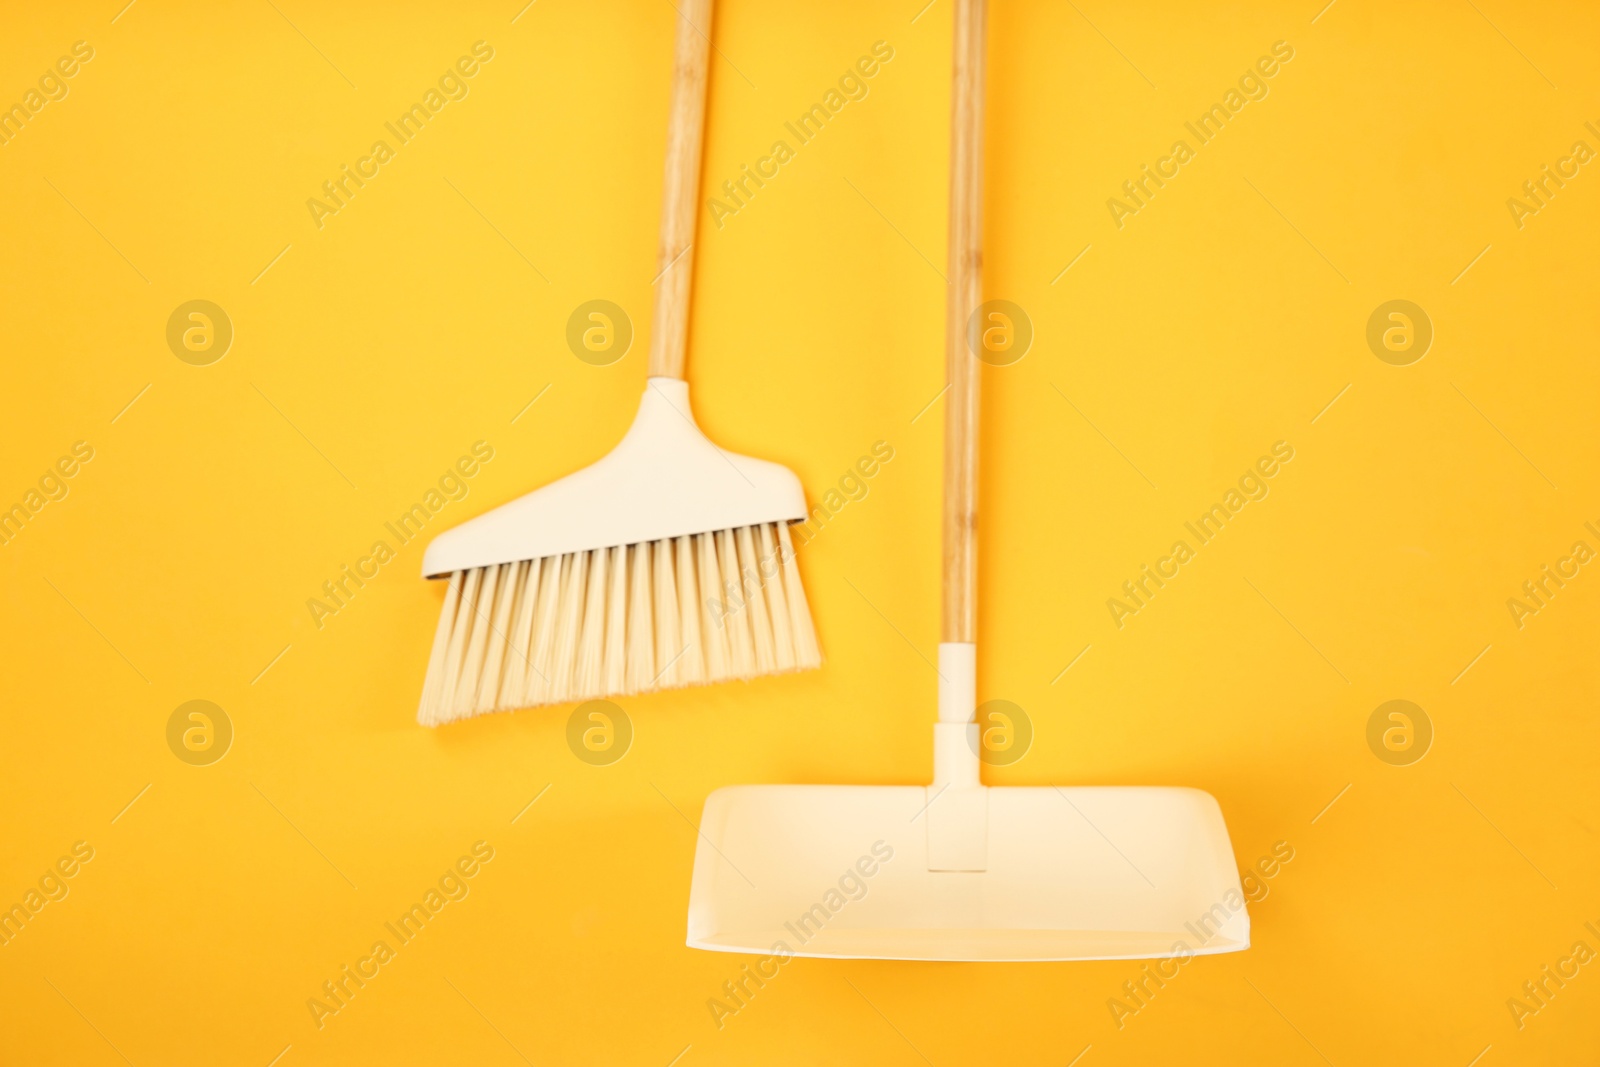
[(965, 294), (679, 201)]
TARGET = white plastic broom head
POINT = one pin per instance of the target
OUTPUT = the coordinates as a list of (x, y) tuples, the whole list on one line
[(666, 563)]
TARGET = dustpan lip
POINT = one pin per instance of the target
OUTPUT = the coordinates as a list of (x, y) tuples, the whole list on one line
[(1223, 947)]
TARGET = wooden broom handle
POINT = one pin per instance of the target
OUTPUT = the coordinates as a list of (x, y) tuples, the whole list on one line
[(965, 294), (679, 200)]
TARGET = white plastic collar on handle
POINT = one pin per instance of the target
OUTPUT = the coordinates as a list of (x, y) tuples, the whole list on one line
[(958, 802), (955, 735), (664, 479), (958, 681)]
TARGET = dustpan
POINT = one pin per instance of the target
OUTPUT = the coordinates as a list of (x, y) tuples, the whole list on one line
[(957, 870), (1070, 873)]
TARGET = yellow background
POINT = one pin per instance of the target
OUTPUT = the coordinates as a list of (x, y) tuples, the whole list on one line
[(1222, 318)]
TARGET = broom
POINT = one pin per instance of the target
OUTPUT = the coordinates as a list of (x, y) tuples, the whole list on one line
[(667, 563)]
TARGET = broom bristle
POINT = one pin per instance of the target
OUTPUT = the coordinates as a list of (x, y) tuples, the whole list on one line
[(681, 611)]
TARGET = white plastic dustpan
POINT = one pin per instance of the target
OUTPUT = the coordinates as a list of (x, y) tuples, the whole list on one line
[(957, 870), (961, 871), (1071, 873)]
